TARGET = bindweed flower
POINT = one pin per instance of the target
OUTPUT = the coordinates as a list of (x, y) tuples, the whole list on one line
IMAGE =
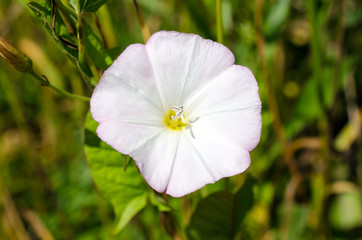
[(181, 109)]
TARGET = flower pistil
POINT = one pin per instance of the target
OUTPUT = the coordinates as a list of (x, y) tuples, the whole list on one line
[(175, 118)]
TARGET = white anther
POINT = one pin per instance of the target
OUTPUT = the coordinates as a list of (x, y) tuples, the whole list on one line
[(178, 110), (183, 118), (179, 113)]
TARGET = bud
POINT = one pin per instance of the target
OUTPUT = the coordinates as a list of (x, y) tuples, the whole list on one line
[(19, 60)]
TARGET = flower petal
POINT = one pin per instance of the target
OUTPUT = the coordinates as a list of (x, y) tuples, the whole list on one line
[(204, 159), (230, 106), (126, 137), (156, 157), (183, 62), (128, 89)]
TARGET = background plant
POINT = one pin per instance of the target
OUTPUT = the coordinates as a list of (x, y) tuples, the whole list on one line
[(305, 177)]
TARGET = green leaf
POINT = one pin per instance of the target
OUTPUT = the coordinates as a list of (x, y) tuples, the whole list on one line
[(94, 48), (93, 5), (114, 52), (276, 18), (126, 190), (160, 203), (220, 215), (345, 211), (298, 222), (132, 208), (244, 200), (87, 5), (300, 117), (59, 31), (198, 12), (213, 217)]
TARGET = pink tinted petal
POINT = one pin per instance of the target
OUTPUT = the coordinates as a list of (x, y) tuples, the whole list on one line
[(204, 159), (127, 89), (126, 137), (183, 63), (230, 106), (156, 157)]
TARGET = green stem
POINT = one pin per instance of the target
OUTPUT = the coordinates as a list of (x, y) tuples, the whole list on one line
[(44, 81), (90, 84), (320, 179), (100, 30), (66, 17), (107, 25), (80, 36), (271, 96), (66, 10), (338, 61), (144, 28), (315, 46), (219, 28)]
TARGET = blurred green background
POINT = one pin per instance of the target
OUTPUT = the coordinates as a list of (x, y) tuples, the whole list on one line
[(307, 168)]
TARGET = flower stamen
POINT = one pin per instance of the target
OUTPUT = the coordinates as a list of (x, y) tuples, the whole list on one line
[(175, 119), (179, 113)]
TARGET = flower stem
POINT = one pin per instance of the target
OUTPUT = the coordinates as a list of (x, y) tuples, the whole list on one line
[(219, 28), (66, 16), (100, 30), (339, 48), (80, 36), (169, 222), (272, 102), (145, 31), (315, 48), (44, 81), (277, 123)]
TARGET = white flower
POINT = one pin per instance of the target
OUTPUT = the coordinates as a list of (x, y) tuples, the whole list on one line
[(181, 109)]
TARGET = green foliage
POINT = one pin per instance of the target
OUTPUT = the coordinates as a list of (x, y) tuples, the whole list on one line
[(125, 189), (94, 47), (346, 211), (220, 215), (276, 18), (87, 5), (199, 16), (298, 221), (213, 217), (58, 31), (244, 200)]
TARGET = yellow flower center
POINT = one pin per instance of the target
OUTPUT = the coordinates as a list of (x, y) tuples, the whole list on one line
[(175, 118)]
